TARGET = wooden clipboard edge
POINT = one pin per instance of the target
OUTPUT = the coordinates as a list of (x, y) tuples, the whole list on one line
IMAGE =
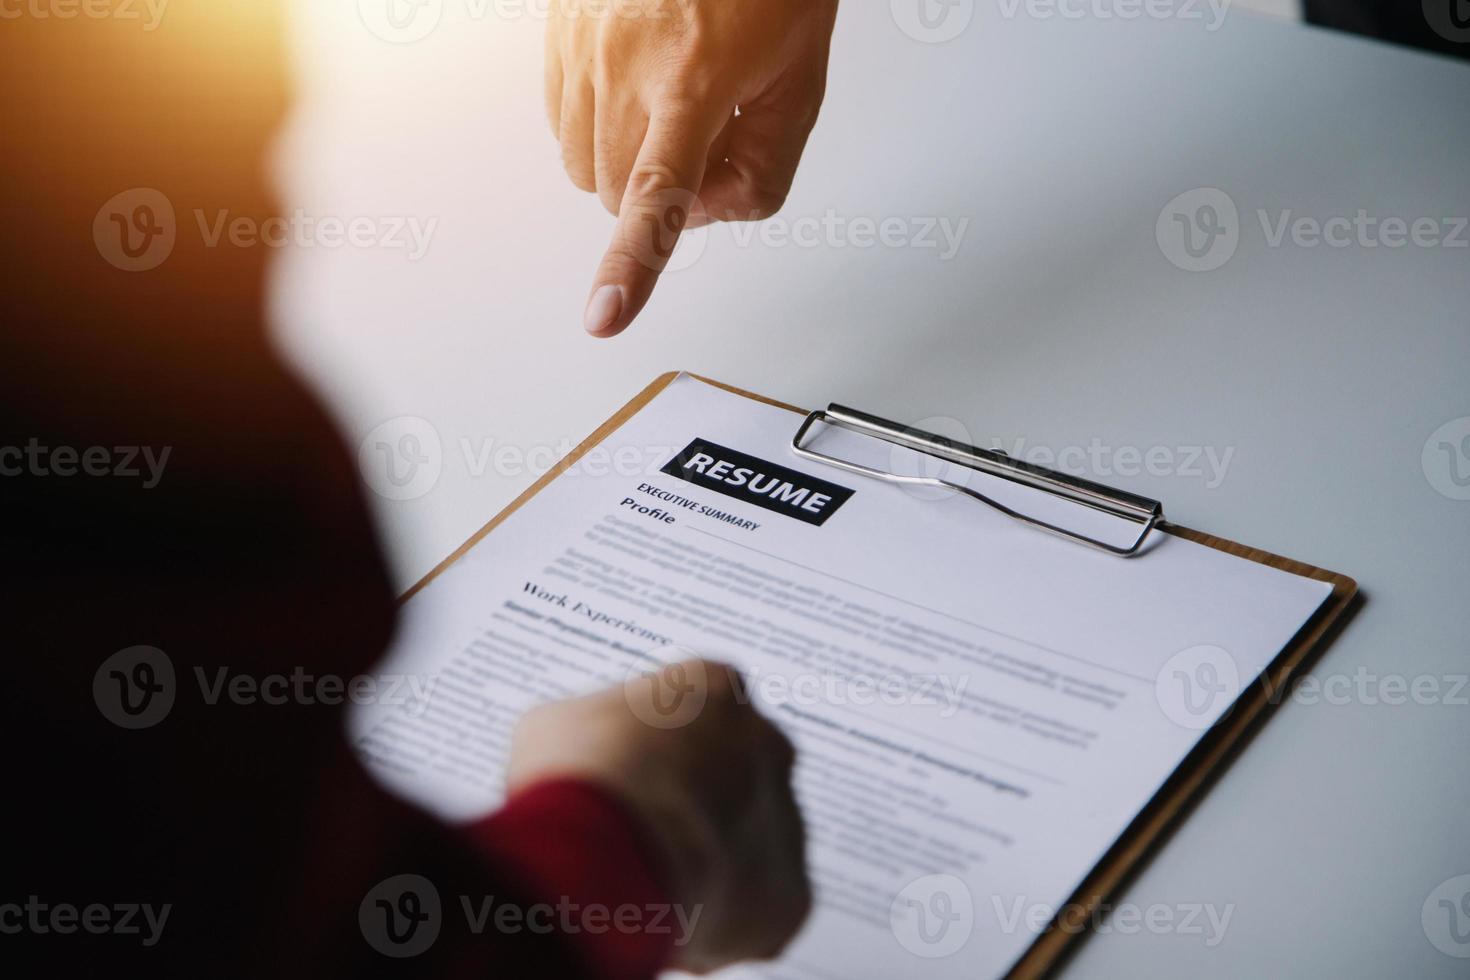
[(1205, 763), (604, 430), (1180, 791)]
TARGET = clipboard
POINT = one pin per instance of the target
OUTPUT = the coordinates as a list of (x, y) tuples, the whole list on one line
[(1210, 755)]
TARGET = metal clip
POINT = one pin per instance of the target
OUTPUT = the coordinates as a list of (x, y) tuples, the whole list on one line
[(1117, 503)]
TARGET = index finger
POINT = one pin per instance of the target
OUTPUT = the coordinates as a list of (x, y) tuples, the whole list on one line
[(657, 206)]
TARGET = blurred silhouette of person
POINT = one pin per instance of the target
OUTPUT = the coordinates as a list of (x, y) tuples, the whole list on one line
[(169, 485)]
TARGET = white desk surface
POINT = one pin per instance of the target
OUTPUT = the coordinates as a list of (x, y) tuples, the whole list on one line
[(1060, 321)]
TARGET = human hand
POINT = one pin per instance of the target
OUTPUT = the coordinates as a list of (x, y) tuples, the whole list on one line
[(643, 94), (711, 781)]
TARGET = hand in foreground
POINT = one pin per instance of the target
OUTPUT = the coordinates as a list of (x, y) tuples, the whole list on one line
[(710, 779), (642, 95)]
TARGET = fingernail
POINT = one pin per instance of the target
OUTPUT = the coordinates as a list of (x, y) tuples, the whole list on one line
[(603, 309)]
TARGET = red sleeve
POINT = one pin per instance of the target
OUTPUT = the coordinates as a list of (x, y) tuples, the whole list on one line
[(576, 850)]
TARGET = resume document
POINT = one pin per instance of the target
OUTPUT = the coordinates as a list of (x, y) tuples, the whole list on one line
[(980, 709)]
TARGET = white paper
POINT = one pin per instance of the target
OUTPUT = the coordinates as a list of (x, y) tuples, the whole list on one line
[(979, 708)]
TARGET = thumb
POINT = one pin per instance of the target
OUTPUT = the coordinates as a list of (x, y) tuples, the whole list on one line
[(657, 206)]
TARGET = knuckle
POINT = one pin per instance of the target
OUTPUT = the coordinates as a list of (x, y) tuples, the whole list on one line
[(653, 176), (765, 196), (688, 88)]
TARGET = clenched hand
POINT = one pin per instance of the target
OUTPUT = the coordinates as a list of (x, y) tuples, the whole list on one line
[(680, 111), (710, 779)]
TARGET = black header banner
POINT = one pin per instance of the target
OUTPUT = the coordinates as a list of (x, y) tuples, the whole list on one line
[(769, 485)]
